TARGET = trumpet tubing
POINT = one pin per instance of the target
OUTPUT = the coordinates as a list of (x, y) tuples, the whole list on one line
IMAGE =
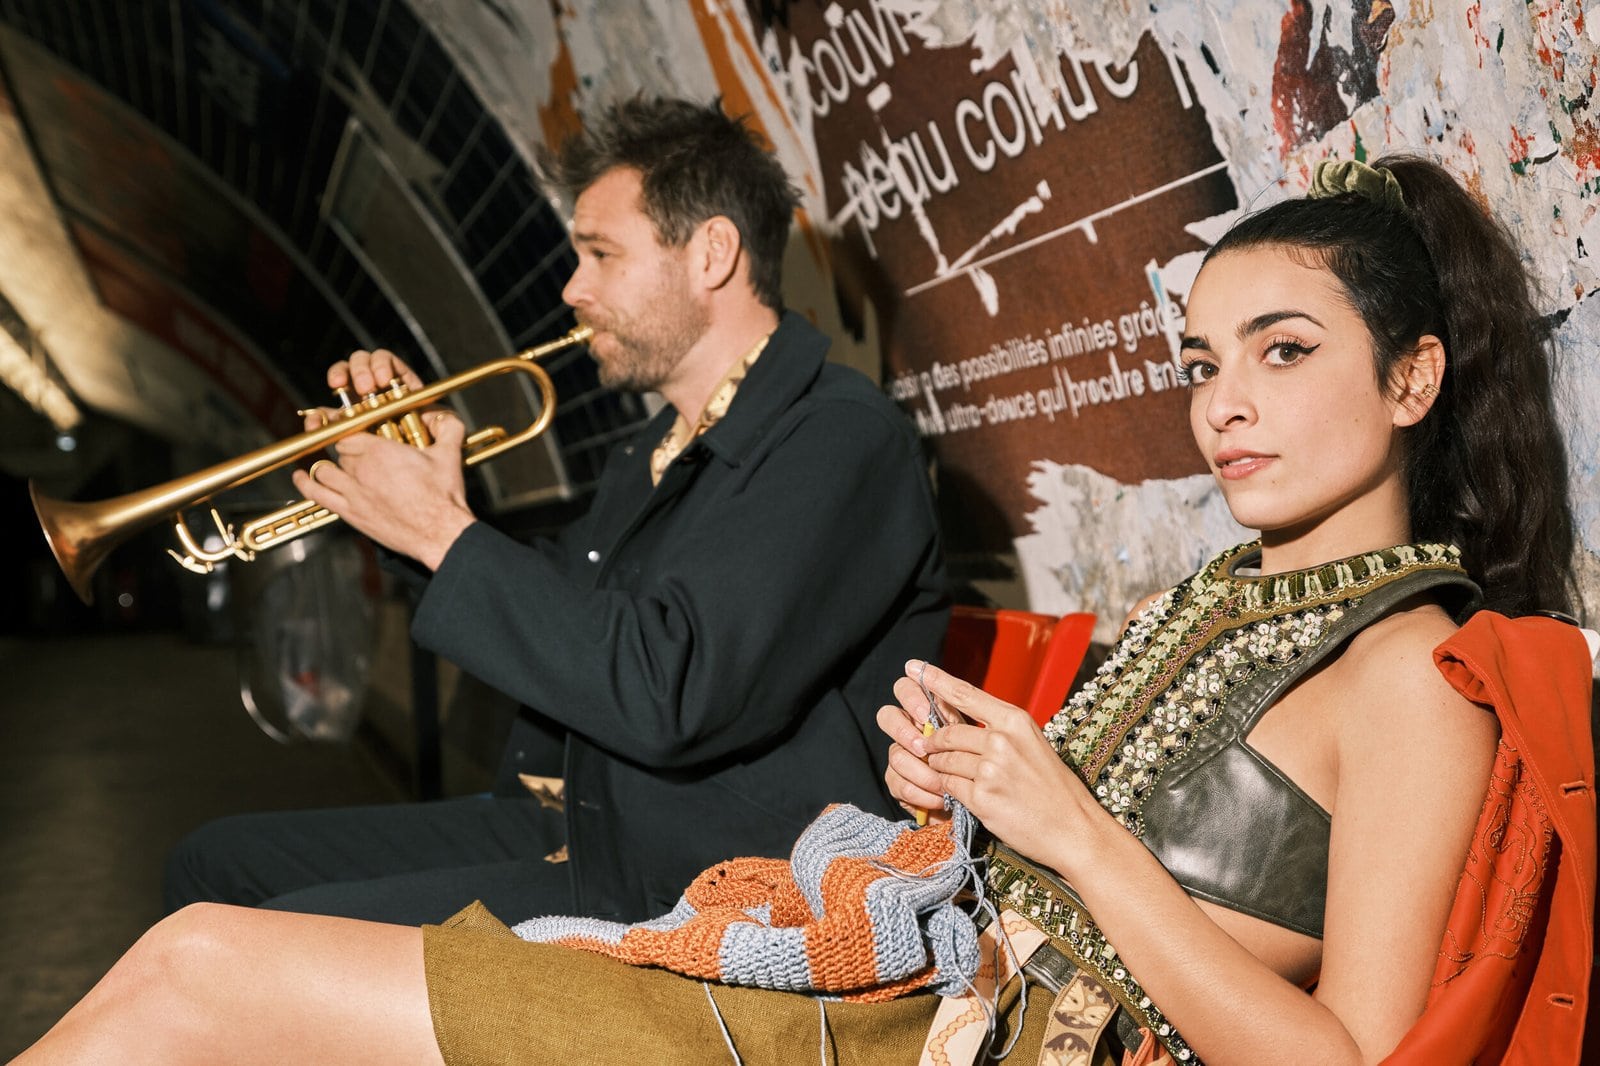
[(81, 535)]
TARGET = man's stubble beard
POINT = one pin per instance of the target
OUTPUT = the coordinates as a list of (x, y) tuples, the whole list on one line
[(647, 349)]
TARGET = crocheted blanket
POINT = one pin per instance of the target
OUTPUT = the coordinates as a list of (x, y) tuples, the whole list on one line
[(864, 909)]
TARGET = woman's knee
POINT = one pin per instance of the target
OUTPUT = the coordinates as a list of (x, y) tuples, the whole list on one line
[(166, 988), (183, 958)]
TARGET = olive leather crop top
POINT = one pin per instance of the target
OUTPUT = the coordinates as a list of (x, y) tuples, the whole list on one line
[(1161, 734)]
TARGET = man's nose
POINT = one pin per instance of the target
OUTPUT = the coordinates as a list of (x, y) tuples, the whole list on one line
[(575, 292)]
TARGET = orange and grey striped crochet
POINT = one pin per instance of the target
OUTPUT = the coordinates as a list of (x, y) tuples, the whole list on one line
[(864, 909)]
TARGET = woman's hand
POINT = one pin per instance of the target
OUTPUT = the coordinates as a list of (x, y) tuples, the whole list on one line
[(1001, 768), (916, 786)]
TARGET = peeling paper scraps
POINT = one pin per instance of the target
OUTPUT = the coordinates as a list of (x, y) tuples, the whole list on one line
[(1577, 396), (1099, 545)]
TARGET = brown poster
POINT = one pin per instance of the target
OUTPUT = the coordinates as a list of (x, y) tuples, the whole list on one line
[(1009, 218)]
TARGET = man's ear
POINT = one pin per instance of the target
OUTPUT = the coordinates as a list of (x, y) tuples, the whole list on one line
[(716, 248), (1416, 380)]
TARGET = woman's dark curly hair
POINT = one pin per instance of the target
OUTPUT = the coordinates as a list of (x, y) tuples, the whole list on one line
[(1486, 469)]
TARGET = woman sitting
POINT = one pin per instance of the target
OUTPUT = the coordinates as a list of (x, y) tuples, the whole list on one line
[(1272, 785)]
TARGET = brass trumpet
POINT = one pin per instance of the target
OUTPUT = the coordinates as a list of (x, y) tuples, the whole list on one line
[(82, 534)]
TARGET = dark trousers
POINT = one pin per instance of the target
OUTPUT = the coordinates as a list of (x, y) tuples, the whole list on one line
[(407, 863)]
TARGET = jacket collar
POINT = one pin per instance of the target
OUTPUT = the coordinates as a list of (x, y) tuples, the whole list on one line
[(790, 363)]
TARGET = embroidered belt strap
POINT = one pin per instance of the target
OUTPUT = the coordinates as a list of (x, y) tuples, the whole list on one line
[(1047, 902)]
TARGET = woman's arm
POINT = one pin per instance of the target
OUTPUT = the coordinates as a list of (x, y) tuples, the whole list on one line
[(1412, 760)]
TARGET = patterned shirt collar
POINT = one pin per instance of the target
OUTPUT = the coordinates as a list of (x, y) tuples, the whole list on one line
[(681, 434)]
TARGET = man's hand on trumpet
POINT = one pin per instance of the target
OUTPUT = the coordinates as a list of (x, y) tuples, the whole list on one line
[(411, 500), (367, 372)]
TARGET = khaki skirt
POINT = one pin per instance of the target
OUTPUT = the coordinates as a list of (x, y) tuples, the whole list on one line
[(497, 999)]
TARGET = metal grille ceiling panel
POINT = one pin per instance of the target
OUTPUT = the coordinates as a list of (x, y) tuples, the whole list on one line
[(260, 92)]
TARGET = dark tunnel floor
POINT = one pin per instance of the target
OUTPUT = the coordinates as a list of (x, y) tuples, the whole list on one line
[(111, 748)]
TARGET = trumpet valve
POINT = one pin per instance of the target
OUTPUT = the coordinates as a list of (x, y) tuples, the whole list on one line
[(374, 400), (412, 431)]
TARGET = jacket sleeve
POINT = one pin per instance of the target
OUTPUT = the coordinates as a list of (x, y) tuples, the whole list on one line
[(760, 601)]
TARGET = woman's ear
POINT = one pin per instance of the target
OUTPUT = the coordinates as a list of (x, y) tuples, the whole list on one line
[(717, 245), (1416, 381)]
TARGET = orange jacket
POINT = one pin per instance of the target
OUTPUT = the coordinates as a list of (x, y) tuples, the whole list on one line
[(1512, 981)]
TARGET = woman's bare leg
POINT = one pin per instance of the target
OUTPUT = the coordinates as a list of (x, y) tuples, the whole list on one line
[(216, 984)]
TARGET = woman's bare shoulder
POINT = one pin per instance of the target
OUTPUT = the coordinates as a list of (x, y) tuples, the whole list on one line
[(1406, 632), (1392, 695)]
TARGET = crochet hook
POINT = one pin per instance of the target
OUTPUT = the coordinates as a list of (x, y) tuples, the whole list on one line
[(932, 722)]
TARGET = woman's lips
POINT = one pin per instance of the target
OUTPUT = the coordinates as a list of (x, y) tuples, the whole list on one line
[(1238, 464)]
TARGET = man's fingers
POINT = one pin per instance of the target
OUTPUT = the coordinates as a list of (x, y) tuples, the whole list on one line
[(367, 372), (357, 444), (329, 475), (382, 368), (339, 374), (446, 428), (403, 371), (322, 489), (363, 378), (379, 368)]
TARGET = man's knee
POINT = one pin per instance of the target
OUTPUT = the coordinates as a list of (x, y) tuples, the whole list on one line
[(206, 865)]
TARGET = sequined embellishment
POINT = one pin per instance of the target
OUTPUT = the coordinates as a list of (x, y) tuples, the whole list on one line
[(1170, 673)]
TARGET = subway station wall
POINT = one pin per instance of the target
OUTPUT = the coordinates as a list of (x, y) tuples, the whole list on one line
[(1005, 204)]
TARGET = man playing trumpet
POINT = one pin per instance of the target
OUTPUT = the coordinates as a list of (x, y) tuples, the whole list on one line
[(702, 654)]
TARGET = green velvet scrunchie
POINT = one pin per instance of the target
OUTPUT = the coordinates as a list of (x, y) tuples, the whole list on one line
[(1335, 177)]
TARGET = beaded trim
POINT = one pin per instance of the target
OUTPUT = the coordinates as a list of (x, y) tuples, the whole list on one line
[(1165, 680), (1177, 661), (1064, 919)]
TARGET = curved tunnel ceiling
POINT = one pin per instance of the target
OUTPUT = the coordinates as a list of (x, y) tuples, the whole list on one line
[(226, 195)]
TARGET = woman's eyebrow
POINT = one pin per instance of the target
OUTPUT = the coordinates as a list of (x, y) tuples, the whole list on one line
[(1271, 318), (1251, 327)]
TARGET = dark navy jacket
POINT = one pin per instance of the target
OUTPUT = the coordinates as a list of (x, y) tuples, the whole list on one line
[(704, 659)]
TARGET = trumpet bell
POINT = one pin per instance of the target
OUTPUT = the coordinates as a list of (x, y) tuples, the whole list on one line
[(78, 538)]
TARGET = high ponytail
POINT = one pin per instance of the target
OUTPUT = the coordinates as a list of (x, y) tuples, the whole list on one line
[(1486, 468)]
